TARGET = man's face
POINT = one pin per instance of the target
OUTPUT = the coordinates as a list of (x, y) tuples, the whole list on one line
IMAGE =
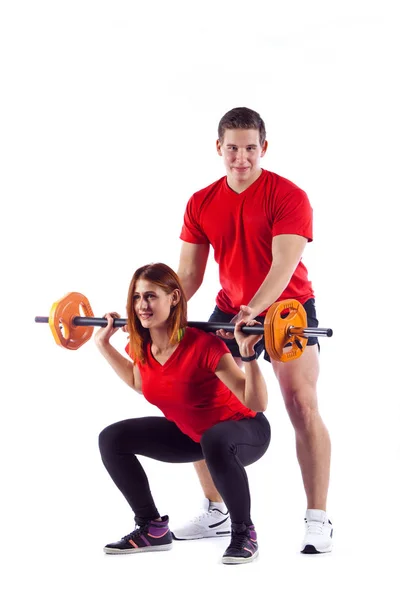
[(241, 151)]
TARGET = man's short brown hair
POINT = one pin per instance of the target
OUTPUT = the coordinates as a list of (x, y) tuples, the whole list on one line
[(241, 118)]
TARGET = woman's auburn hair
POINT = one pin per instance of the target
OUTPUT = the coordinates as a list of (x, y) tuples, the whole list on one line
[(163, 276)]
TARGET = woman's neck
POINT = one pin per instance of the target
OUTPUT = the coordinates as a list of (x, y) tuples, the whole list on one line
[(160, 339)]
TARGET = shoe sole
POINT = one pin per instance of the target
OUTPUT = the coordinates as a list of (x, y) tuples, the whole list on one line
[(136, 550), (201, 536), (233, 560), (309, 549)]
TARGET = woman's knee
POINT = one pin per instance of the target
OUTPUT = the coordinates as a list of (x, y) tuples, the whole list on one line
[(109, 437), (104, 439), (214, 443)]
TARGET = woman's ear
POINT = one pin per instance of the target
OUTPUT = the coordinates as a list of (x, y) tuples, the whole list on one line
[(175, 297)]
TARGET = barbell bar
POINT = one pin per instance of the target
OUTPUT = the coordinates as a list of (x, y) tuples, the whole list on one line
[(285, 323), (203, 325)]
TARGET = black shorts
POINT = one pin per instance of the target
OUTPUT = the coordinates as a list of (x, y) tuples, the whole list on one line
[(221, 317)]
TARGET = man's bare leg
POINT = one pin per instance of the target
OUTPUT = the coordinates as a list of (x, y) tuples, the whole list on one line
[(206, 482), (214, 519), (298, 381)]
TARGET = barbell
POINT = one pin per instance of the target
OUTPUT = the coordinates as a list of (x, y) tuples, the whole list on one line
[(285, 328)]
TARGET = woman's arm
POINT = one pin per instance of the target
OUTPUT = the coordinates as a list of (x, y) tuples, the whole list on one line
[(249, 386), (124, 368)]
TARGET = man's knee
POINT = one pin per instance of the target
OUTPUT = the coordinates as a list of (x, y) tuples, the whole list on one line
[(302, 406)]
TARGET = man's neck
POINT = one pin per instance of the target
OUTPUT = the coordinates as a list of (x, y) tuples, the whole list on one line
[(241, 187)]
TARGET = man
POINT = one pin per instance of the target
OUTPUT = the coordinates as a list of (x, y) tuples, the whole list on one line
[(259, 224)]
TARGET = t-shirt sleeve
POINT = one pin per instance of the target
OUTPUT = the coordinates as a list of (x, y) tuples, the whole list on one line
[(213, 350), (191, 230), (294, 215), (129, 353)]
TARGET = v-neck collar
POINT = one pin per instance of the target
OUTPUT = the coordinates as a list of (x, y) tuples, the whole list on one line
[(169, 360), (242, 194)]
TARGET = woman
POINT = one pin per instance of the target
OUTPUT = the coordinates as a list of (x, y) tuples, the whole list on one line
[(213, 410)]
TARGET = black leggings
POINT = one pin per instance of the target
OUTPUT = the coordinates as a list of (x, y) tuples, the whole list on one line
[(227, 447)]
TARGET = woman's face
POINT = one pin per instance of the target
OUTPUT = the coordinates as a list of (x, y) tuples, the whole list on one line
[(152, 304)]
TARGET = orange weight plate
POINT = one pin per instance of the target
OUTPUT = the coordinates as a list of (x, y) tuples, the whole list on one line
[(61, 321), (281, 316)]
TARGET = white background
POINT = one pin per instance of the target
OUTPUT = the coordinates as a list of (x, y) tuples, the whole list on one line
[(109, 114)]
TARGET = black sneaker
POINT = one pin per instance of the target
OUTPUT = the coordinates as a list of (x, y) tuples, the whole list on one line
[(243, 547), (152, 536)]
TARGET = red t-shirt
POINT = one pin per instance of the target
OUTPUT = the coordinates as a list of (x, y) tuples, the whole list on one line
[(240, 228), (186, 388)]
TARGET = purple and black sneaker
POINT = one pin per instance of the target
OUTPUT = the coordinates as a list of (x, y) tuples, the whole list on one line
[(148, 537), (243, 547)]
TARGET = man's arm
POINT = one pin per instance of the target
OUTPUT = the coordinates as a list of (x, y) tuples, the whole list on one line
[(192, 265), (287, 250)]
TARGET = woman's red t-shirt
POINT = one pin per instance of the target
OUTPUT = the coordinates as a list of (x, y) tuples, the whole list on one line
[(186, 388)]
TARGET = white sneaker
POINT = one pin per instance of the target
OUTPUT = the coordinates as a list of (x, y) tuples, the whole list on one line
[(211, 522), (319, 532)]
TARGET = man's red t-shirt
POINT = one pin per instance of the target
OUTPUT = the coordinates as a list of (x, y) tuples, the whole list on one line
[(240, 228), (186, 388)]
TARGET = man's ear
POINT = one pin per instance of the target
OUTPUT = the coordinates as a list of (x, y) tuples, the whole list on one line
[(264, 148)]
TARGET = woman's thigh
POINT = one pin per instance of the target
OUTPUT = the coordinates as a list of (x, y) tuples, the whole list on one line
[(154, 437), (248, 439)]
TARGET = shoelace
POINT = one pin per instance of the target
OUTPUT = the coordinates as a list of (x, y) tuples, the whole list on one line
[(314, 527), (137, 531), (203, 515), (238, 540)]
